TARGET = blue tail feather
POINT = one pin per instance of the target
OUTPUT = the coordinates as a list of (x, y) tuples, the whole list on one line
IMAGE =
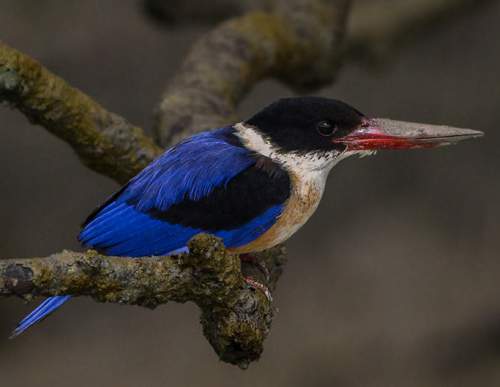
[(43, 310)]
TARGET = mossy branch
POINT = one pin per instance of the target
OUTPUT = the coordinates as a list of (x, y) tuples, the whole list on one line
[(235, 317), (104, 141)]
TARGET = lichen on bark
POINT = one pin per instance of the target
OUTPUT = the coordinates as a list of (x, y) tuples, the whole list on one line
[(104, 141), (235, 317)]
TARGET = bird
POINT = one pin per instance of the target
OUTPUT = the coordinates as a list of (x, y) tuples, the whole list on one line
[(253, 184)]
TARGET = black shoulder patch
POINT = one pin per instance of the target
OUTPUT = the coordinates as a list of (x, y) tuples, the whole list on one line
[(246, 196)]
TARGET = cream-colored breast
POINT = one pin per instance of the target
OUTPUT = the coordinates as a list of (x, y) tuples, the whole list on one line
[(306, 192)]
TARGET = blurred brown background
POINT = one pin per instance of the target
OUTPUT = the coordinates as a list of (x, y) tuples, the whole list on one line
[(394, 282)]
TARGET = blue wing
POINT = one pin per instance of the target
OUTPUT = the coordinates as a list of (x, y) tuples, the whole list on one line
[(185, 192)]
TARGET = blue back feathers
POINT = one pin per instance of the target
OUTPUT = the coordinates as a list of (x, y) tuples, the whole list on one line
[(129, 225), (190, 169)]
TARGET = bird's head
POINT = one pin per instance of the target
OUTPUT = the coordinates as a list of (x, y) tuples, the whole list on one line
[(319, 132)]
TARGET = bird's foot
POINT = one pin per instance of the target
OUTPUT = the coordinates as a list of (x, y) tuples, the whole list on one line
[(250, 280), (258, 286)]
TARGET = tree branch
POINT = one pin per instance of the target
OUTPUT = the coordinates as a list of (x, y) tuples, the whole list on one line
[(235, 318), (104, 141), (297, 42)]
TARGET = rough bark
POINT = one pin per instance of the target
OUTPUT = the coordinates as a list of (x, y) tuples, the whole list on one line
[(104, 141), (235, 317)]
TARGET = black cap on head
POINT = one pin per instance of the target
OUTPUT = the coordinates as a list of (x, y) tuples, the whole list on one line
[(305, 124)]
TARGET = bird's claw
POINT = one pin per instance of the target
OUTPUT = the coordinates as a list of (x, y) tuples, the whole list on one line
[(257, 285)]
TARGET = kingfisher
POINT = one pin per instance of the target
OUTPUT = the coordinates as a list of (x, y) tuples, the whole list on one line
[(253, 184)]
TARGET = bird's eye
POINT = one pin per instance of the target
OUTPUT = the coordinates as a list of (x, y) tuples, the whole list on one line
[(326, 128)]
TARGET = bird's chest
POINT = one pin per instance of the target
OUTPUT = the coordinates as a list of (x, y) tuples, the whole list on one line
[(305, 195)]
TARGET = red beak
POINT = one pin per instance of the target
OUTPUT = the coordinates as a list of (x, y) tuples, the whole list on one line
[(379, 133)]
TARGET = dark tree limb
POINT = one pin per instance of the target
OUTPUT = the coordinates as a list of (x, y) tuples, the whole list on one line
[(235, 317), (104, 141)]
